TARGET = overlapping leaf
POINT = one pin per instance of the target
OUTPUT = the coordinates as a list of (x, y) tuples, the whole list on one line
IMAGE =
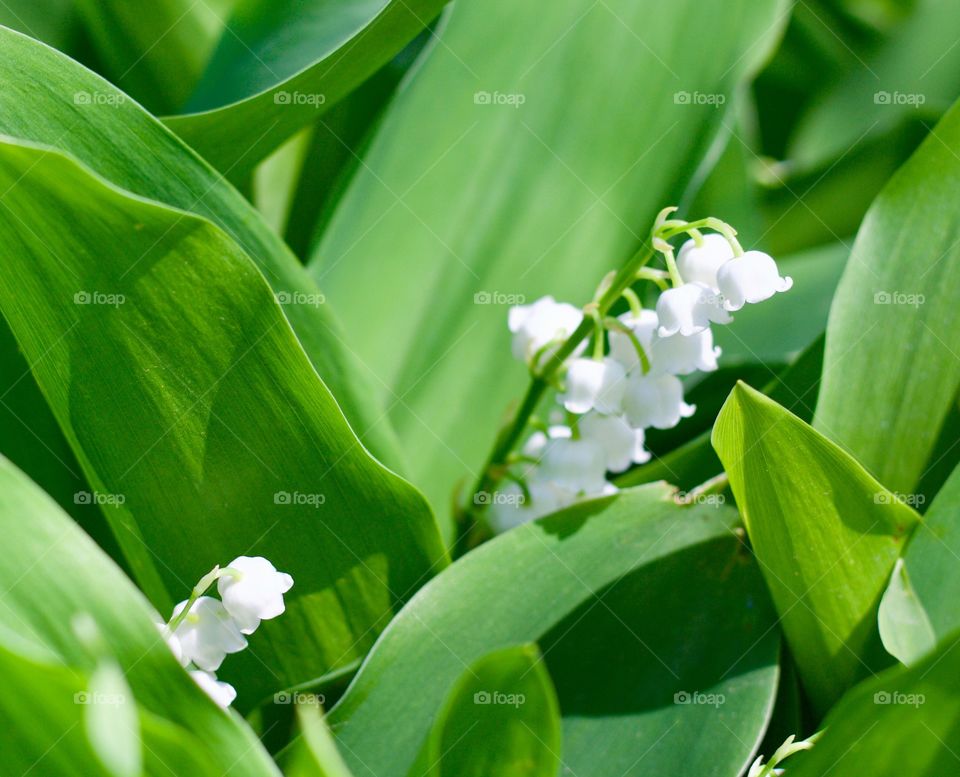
[(652, 621), (198, 419), (826, 535)]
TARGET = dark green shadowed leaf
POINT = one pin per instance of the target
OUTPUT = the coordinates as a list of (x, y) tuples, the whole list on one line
[(826, 535), (653, 623), (198, 419), (56, 575), (891, 369), (281, 63), (48, 98), (503, 171)]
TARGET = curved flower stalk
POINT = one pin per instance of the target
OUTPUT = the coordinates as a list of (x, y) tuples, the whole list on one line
[(203, 630), (627, 383)]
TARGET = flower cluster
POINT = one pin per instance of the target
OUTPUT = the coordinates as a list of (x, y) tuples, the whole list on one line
[(631, 381), (203, 630)]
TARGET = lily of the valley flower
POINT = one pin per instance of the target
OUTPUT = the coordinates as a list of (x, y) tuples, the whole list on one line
[(689, 309), (576, 465), (207, 633), (222, 693), (252, 590), (593, 384), (537, 325), (512, 507), (621, 444), (173, 642), (644, 328), (752, 277), (682, 354), (700, 263), (655, 400)]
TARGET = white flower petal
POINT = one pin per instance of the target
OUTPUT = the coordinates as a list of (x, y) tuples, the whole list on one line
[(173, 642), (540, 323), (655, 400), (690, 309), (592, 384), (253, 592), (222, 693), (575, 465), (614, 436), (699, 264), (682, 354), (208, 633), (750, 278), (621, 346)]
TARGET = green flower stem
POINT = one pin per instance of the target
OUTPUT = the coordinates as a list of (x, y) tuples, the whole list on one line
[(199, 590), (472, 529)]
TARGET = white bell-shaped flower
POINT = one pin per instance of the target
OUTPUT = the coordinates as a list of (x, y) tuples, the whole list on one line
[(689, 309), (683, 354), (592, 384), (752, 277), (539, 324), (644, 329), (173, 642), (252, 590), (511, 508), (621, 444), (222, 693), (208, 633), (699, 263), (655, 400), (575, 465)]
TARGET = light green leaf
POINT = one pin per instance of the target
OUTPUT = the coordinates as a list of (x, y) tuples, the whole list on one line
[(826, 535), (906, 721), (904, 625), (534, 181), (281, 63), (891, 371), (501, 718), (199, 421), (933, 559), (49, 99), (314, 753), (660, 601), (53, 574)]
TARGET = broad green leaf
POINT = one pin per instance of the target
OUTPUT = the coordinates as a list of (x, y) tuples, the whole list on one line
[(653, 623), (530, 181), (501, 718), (47, 98), (891, 371), (826, 535), (52, 574), (314, 753), (155, 51), (54, 22), (905, 627), (932, 559), (905, 721), (916, 73), (111, 721), (198, 419), (280, 63)]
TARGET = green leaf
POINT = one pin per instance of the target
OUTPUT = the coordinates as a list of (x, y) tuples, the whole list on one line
[(49, 99), (509, 200), (314, 753), (932, 557), (155, 51), (891, 371), (904, 625), (198, 419), (500, 718), (658, 600), (280, 63), (53, 574), (906, 721), (826, 535), (111, 722)]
